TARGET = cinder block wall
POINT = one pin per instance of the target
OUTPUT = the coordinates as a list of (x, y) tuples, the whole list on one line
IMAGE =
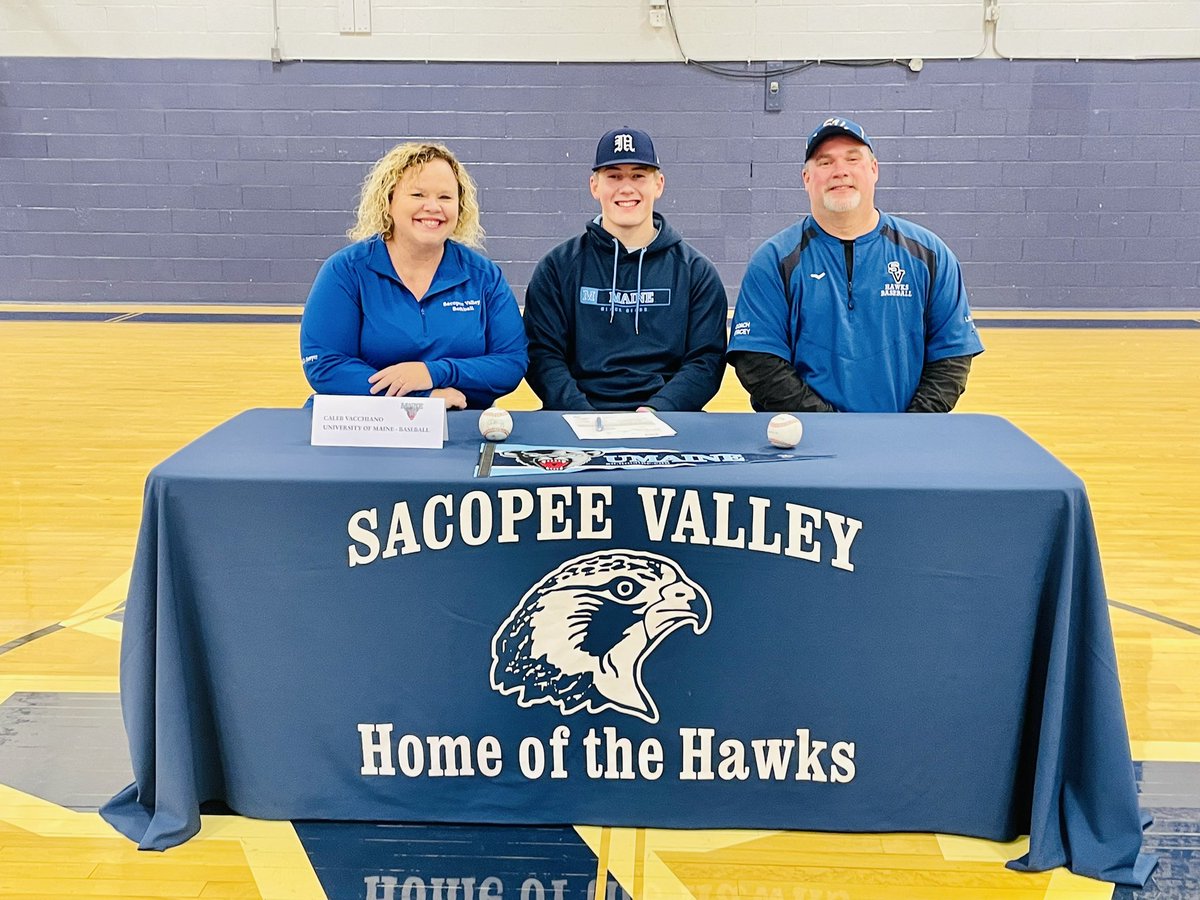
[(1059, 184)]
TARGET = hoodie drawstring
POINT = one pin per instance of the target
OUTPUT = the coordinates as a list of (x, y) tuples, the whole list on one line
[(612, 294), (637, 307)]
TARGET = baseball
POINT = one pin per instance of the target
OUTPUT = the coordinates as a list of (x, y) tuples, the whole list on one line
[(784, 430), (495, 423)]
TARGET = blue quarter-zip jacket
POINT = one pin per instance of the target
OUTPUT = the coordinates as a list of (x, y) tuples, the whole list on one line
[(858, 319), (611, 328), (360, 318)]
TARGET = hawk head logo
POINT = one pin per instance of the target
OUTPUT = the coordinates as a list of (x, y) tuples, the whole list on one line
[(552, 460), (895, 271), (579, 637), (411, 410)]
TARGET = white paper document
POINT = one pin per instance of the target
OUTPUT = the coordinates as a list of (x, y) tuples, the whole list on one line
[(354, 421), (617, 426)]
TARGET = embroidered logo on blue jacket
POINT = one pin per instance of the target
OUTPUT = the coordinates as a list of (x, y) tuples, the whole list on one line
[(897, 287), (579, 637), (459, 304), (625, 300)]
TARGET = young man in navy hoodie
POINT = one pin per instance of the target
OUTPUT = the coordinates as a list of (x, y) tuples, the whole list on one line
[(626, 316)]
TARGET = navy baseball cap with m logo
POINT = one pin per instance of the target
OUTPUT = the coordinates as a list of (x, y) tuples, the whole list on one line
[(832, 126), (625, 146)]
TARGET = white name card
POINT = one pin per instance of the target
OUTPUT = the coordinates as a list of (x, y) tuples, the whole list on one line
[(378, 421)]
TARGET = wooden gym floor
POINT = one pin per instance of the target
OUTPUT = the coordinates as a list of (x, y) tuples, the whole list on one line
[(94, 396)]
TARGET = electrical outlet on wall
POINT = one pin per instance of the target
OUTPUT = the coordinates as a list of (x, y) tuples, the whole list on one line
[(773, 84), (658, 14)]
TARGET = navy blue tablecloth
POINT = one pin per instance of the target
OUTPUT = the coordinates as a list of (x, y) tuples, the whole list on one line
[(907, 632)]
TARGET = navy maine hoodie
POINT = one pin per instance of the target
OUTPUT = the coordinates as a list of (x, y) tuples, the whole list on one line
[(611, 328)]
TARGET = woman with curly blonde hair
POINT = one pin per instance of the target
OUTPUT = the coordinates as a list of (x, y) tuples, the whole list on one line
[(412, 307)]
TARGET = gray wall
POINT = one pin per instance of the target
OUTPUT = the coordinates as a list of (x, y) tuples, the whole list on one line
[(1058, 184)]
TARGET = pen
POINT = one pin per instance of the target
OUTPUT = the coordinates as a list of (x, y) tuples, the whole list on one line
[(599, 424)]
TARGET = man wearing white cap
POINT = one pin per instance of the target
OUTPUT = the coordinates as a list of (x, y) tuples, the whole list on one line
[(626, 315), (851, 309)]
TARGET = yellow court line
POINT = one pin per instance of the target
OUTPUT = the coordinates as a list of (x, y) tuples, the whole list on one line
[(104, 602), (639, 862), (46, 819), (622, 851), (1165, 751), (100, 627), (602, 863), (634, 858), (1084, 314), (273, 851), (74, 684), (91, 616), (1063, 884), (956, 848), (128, 308), (276, 856)]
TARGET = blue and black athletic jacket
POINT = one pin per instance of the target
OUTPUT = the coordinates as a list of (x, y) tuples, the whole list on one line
[(859, 319)]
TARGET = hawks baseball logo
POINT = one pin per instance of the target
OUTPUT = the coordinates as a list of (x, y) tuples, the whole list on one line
[(895, 271), (411, 410), (579, 637)]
